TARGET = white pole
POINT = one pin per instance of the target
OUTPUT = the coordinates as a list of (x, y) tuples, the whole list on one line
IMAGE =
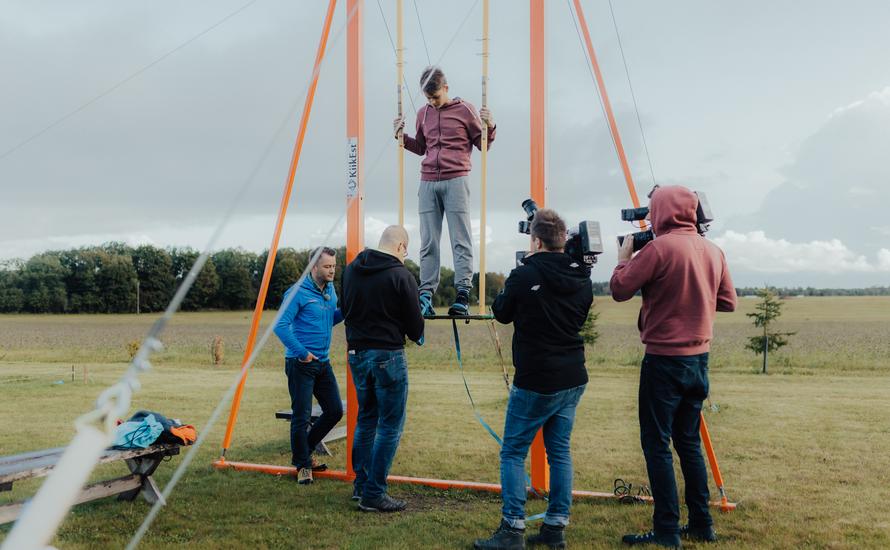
[(41, 517)]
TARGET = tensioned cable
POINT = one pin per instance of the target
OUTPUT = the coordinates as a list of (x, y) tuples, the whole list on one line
[(422, 34), (189, 456), (110, 90), (592, 76), (632, 95), (395, 52)]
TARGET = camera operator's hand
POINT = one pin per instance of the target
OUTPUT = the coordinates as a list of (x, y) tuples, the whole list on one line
[(626, 249)]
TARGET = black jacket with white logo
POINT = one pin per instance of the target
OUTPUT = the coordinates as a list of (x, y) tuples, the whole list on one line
[(547, 300)]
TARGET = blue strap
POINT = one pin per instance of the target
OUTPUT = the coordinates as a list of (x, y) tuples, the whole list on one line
[(482, 421)]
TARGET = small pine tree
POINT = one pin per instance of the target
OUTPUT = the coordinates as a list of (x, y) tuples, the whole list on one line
[(769, 308), (588, 331)]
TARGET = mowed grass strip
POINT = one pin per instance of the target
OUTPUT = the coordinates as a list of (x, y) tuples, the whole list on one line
[(806, 456)]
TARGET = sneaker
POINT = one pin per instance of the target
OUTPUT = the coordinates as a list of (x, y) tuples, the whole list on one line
[(668, 541), (318, 466), (505, 538), (461, 305), (304, 476), (356, 494), (700, 534), (383, 504), (551, 536), (426, 303)]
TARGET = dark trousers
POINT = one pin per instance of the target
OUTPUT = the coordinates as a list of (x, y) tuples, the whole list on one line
[(672, 389), (303, 381)]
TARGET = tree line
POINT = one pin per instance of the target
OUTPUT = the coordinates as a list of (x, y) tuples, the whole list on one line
[(117, 278)]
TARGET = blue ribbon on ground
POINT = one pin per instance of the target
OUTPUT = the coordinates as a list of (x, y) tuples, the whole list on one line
[(482, 421)]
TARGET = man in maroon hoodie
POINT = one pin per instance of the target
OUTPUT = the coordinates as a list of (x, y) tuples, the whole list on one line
[(684, 280), (447, 131)]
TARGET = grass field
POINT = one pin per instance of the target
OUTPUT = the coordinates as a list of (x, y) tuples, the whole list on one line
[(805, 451)]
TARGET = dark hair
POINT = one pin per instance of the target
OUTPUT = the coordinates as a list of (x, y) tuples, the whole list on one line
[(549, 227), (324, 250), (432, 80)]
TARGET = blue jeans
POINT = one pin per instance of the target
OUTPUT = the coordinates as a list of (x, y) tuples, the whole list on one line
[(303, 381), (527, 412), (381, 386), (672, 389)]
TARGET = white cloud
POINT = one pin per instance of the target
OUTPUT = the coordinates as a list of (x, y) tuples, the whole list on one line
[(757, 252)]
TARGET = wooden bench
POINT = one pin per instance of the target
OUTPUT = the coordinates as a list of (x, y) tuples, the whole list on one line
[(335, 434), (141, 462)]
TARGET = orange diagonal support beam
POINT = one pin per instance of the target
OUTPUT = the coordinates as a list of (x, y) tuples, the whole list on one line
[(282, 212), (613, 126)]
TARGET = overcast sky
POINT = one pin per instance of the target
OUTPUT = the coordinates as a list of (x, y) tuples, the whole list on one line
[(779, 111)]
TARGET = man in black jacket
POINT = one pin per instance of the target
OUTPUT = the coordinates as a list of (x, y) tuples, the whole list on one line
[(380, 308), (547, 299)]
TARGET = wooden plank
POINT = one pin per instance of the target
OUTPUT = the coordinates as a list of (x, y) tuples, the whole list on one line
[(42, 464), (10, 512), (337, 433), (286, 414), (459, 317)]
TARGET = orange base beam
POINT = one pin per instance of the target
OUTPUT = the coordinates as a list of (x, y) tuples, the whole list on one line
[(427, 482)]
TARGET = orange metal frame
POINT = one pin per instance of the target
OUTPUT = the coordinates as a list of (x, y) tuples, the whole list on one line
[(355, 238)]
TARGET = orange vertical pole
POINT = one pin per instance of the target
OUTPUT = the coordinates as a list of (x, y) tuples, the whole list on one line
[(355, 222), (540, 474), (282, 211)]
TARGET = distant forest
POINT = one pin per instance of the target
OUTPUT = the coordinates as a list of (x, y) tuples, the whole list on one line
[(108, 279)]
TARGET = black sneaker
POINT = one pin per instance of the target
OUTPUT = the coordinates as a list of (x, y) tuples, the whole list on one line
[(551, 536), (461, 305), (383, 504), (356, 493), (505, 538), (700, 534), (668, 541)]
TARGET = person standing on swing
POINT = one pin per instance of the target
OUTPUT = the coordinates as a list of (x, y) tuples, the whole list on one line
[(447, 130)]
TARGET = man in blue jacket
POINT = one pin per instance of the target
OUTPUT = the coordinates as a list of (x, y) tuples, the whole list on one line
[(305, 330)]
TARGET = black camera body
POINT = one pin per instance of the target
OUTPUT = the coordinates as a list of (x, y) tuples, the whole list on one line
[(703, 219), (584, 243)]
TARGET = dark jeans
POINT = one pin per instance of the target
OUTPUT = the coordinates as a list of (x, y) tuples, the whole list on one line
[(303, 381), (672, 389), (381, 386)]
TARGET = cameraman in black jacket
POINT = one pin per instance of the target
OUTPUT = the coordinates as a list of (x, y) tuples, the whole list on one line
[(547, 299)]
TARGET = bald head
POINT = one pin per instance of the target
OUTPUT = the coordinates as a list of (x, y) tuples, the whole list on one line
[(394, 241)]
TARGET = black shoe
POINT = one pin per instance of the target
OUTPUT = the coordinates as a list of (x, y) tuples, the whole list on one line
[(700, 534), (461, 305), (505, 538), (551, 536), (383, 504), (356, 494), (668, 541)]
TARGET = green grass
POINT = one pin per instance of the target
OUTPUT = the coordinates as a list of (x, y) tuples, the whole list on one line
[(805, 451)]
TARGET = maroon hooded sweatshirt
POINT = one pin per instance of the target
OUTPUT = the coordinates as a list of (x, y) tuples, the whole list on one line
[(683, 277), (446, 136)]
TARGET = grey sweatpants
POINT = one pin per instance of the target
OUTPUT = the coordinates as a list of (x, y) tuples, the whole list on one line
[(452, 198)]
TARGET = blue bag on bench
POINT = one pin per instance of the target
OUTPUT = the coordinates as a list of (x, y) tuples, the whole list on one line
[(137, 434)]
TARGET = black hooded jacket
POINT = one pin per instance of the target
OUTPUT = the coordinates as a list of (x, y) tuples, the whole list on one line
[(380, 304), (547, 300)]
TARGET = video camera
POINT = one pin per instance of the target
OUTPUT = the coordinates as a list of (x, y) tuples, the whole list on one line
[(703, 219), (584, 243)]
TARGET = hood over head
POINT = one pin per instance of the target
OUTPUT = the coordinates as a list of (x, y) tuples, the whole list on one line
[(672, 208), (560, 272)]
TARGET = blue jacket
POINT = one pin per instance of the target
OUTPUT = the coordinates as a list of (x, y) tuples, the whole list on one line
[(305, 326)]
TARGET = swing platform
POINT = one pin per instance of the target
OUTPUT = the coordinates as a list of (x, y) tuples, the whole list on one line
[(459, 317)]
